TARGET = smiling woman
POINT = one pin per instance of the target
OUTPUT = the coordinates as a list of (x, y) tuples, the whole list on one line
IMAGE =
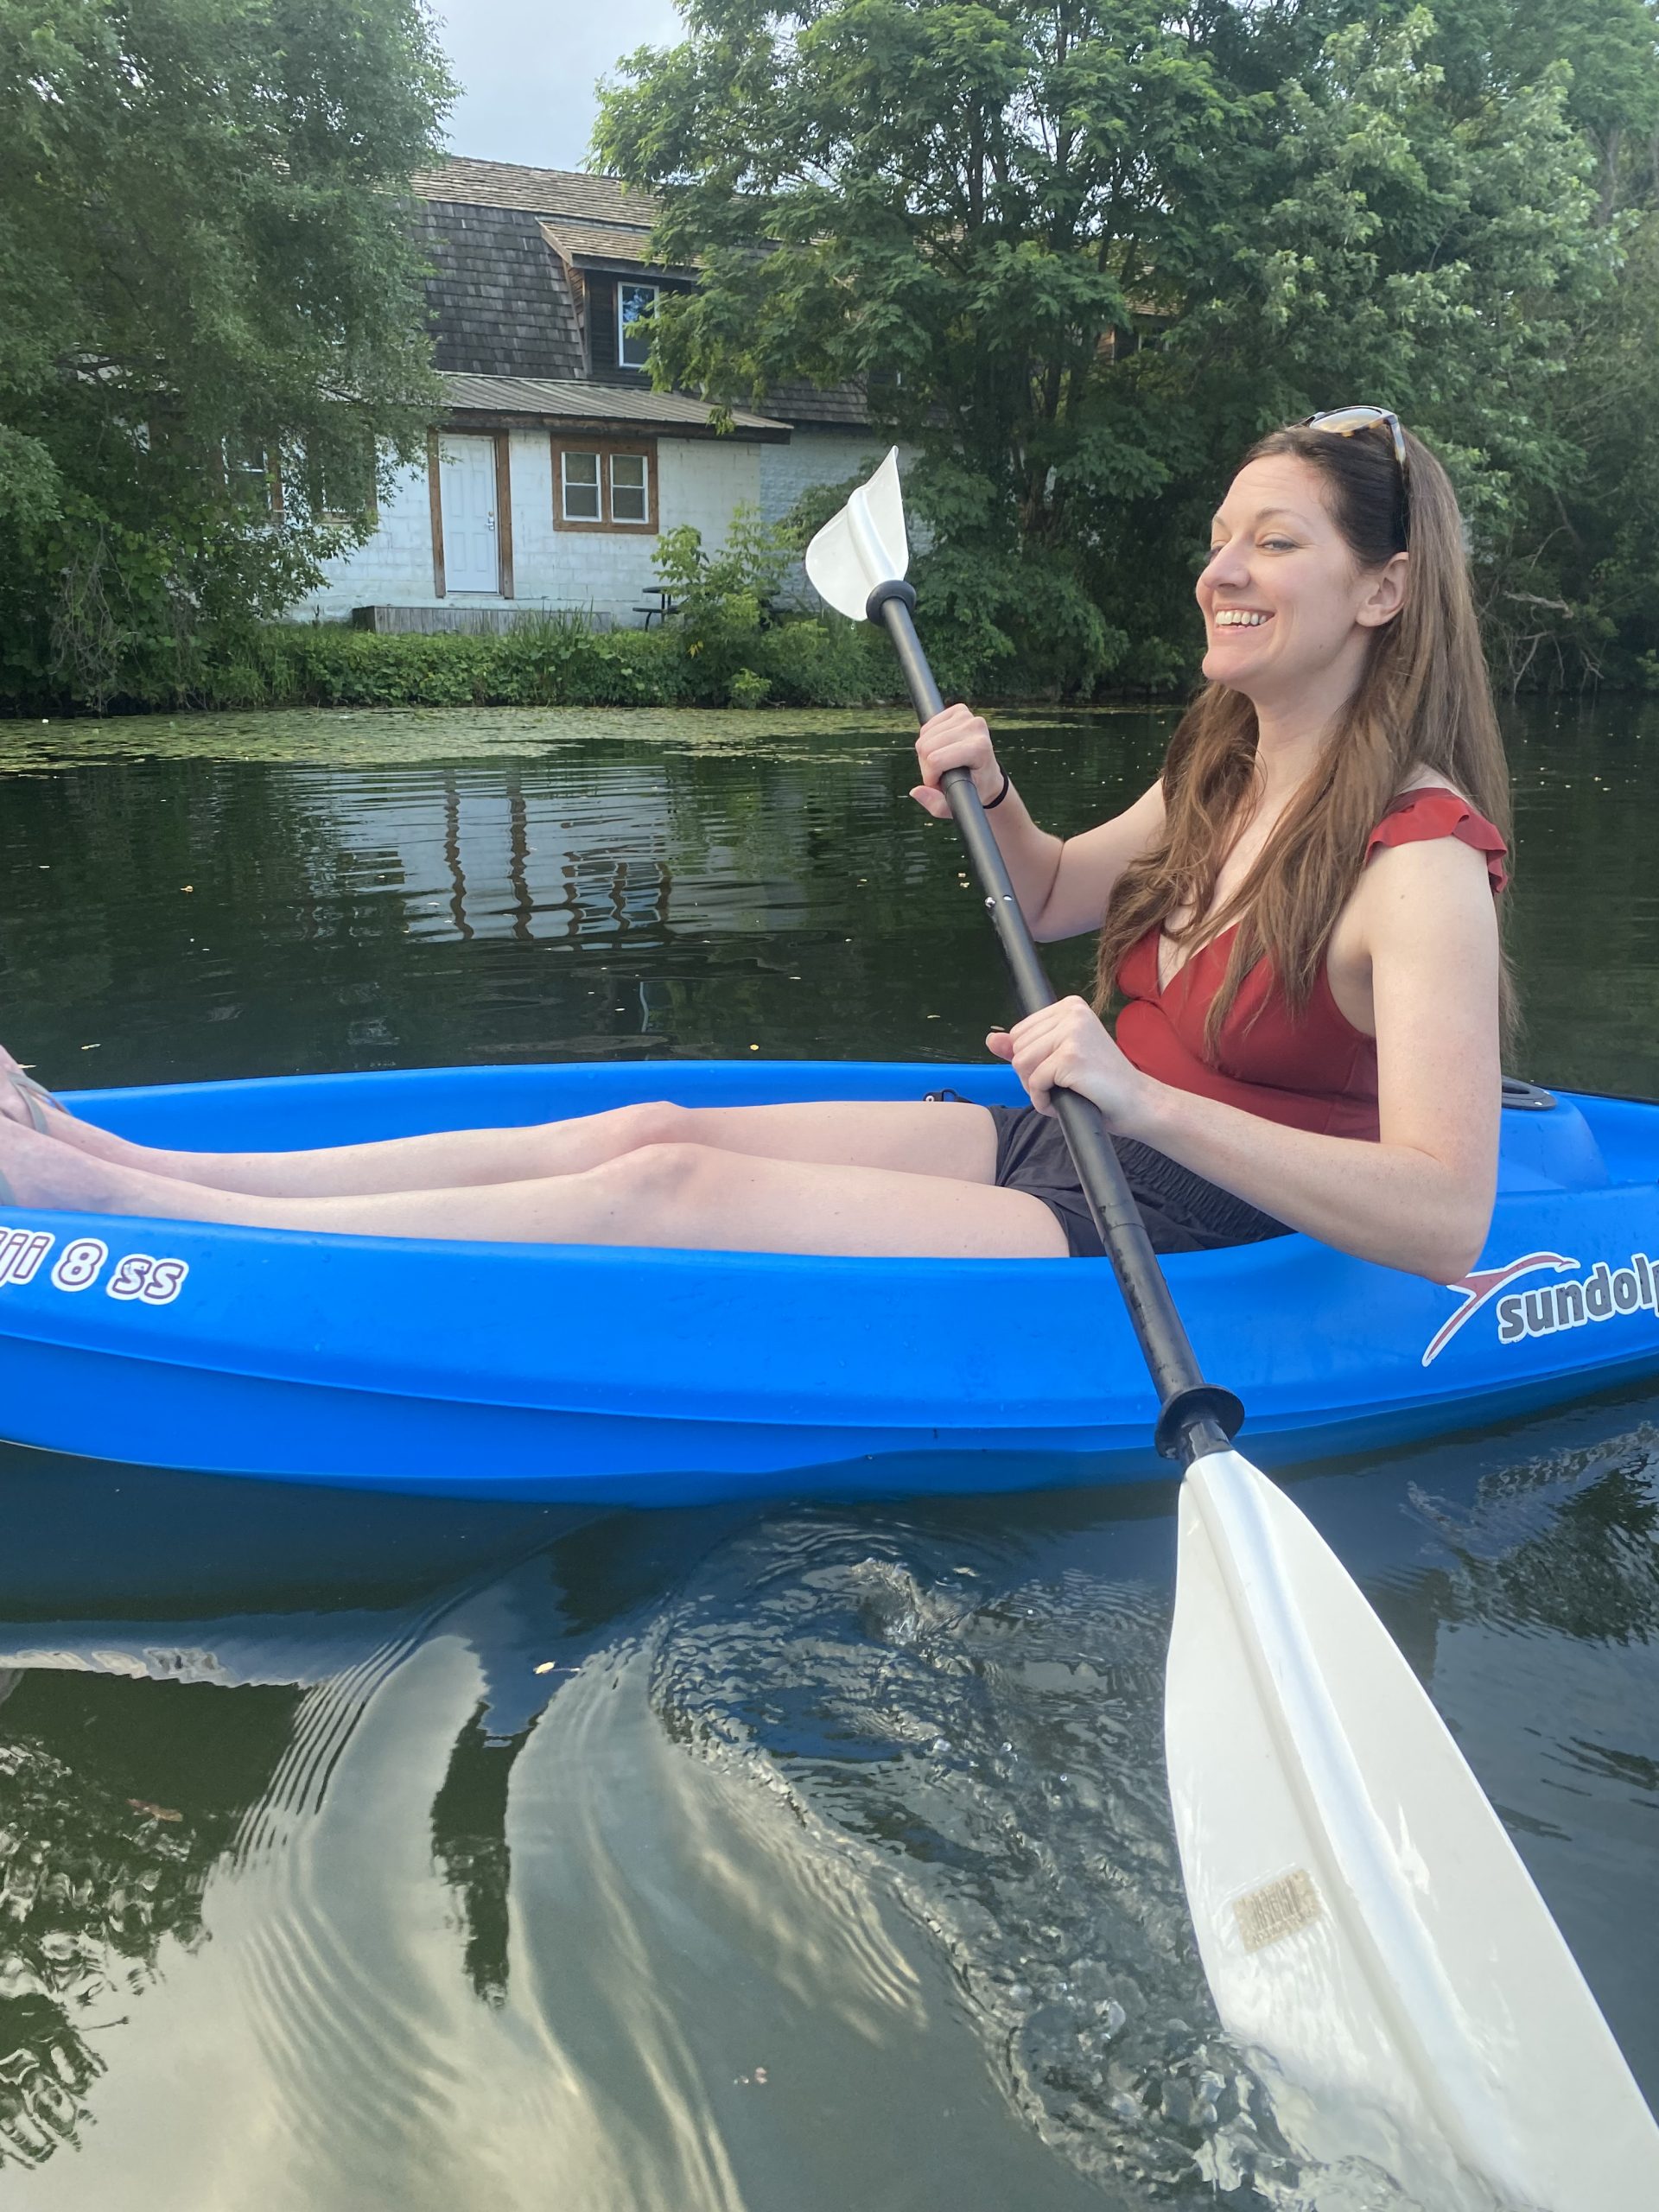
[(1298, 914)]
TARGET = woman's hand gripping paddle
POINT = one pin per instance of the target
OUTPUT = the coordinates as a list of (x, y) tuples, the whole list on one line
[(1363, 1920)]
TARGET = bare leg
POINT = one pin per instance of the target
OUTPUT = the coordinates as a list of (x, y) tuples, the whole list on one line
[(957, 1141), (683, 1195)]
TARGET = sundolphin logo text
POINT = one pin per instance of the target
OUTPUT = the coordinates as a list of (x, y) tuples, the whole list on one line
[(1602, 1295)]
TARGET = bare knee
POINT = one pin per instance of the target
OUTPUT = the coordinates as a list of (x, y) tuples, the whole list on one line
[(654, 1175), (586, 1142), (652, 1121)]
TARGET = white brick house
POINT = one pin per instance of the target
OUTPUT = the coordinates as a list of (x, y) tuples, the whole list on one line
[(557, 465)]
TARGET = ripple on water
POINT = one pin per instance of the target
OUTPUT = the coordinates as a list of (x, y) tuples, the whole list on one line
[(707, 1864), (984, 1739)]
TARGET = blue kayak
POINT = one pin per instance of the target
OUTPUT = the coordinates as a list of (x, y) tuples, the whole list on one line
[(596, 1376)]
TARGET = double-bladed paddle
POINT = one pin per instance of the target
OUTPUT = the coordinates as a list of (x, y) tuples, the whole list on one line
[(1363, 1920)]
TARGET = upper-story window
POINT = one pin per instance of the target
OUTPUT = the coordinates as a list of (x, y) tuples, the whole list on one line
[(635, 304)]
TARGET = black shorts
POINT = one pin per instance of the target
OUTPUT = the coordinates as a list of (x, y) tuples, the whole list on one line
[(1183, 1213)]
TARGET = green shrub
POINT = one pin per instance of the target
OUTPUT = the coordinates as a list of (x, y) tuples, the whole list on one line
[(546, 660), (748, 689), (827, 663)]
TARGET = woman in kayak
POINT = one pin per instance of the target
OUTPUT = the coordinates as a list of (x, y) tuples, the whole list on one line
[(1298, 916)]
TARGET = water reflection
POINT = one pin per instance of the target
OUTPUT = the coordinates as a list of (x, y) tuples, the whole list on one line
[(96, 1880), (201, 915), (225, 898), (723, 1860)]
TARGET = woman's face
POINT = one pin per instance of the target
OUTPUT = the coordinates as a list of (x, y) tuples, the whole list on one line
[(1288, 613)]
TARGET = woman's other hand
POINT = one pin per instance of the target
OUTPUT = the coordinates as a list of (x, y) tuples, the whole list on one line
[(958, 738), (1067, 1046)]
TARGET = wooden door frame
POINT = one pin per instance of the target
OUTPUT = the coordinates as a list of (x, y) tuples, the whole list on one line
[(434, 493), (503, 514)]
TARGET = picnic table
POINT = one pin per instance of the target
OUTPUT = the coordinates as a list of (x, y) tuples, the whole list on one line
[(666, 604)]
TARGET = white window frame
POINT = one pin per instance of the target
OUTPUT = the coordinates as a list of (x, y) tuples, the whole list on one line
[(567, 455), (628, 284), (629, 522)]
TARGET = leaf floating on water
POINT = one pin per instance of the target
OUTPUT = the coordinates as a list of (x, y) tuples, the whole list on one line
[(154, 1812)]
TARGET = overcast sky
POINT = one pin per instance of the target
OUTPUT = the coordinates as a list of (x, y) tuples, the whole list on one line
[(527, 69)]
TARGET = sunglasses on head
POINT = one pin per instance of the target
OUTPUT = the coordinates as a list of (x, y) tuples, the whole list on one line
[(1343, 421)]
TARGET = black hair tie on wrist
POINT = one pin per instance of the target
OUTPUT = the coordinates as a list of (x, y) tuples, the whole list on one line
[(989, 804)]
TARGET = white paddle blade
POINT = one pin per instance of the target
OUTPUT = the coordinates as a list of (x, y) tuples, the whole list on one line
[(862, 546), (1362, 1917)]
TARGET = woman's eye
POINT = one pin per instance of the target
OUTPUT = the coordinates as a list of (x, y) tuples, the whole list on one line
[(1279, 544)]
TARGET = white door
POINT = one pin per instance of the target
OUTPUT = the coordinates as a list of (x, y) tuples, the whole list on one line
[(471, 557)]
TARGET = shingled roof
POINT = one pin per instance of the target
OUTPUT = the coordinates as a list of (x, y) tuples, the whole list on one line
[(537, 192), (496, 233), (826, 406), (609, 242), (498, 302)]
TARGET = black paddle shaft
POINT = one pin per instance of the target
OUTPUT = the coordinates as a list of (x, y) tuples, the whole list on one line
[(1196, 1416)]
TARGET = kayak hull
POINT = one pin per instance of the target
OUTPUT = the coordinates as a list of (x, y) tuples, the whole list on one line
[(596, 1376)]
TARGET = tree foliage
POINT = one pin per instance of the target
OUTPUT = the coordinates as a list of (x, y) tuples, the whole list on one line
[(1081, 252), (205, 291)]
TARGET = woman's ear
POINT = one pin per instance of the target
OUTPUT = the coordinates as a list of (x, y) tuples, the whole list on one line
[(1387, 594)]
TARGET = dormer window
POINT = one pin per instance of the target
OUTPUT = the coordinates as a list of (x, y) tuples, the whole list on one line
[(635, 304)]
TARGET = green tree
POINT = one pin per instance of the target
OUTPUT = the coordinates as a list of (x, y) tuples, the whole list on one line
[(952, 206), (1082, 252), (212, 341), (1575, 593), (1390, 239)]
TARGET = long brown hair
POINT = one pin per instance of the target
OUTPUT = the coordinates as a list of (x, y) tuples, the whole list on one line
[(1424, 701)]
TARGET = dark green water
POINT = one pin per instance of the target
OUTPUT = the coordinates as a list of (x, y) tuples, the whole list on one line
[(360, 1853)]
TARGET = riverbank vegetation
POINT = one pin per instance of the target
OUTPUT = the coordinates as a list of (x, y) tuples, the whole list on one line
[(1081, 252), (201, 268), (735, 639), (547, 660)]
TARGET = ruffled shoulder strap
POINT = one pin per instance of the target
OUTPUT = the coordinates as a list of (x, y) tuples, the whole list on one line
[(1432, 810)]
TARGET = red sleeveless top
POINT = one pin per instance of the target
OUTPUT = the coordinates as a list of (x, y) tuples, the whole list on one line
[(1314, 1070)]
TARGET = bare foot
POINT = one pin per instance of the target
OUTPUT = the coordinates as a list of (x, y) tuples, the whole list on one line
[(42, 1172), (12, 1105), (25, 1102), (23, 1099)]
